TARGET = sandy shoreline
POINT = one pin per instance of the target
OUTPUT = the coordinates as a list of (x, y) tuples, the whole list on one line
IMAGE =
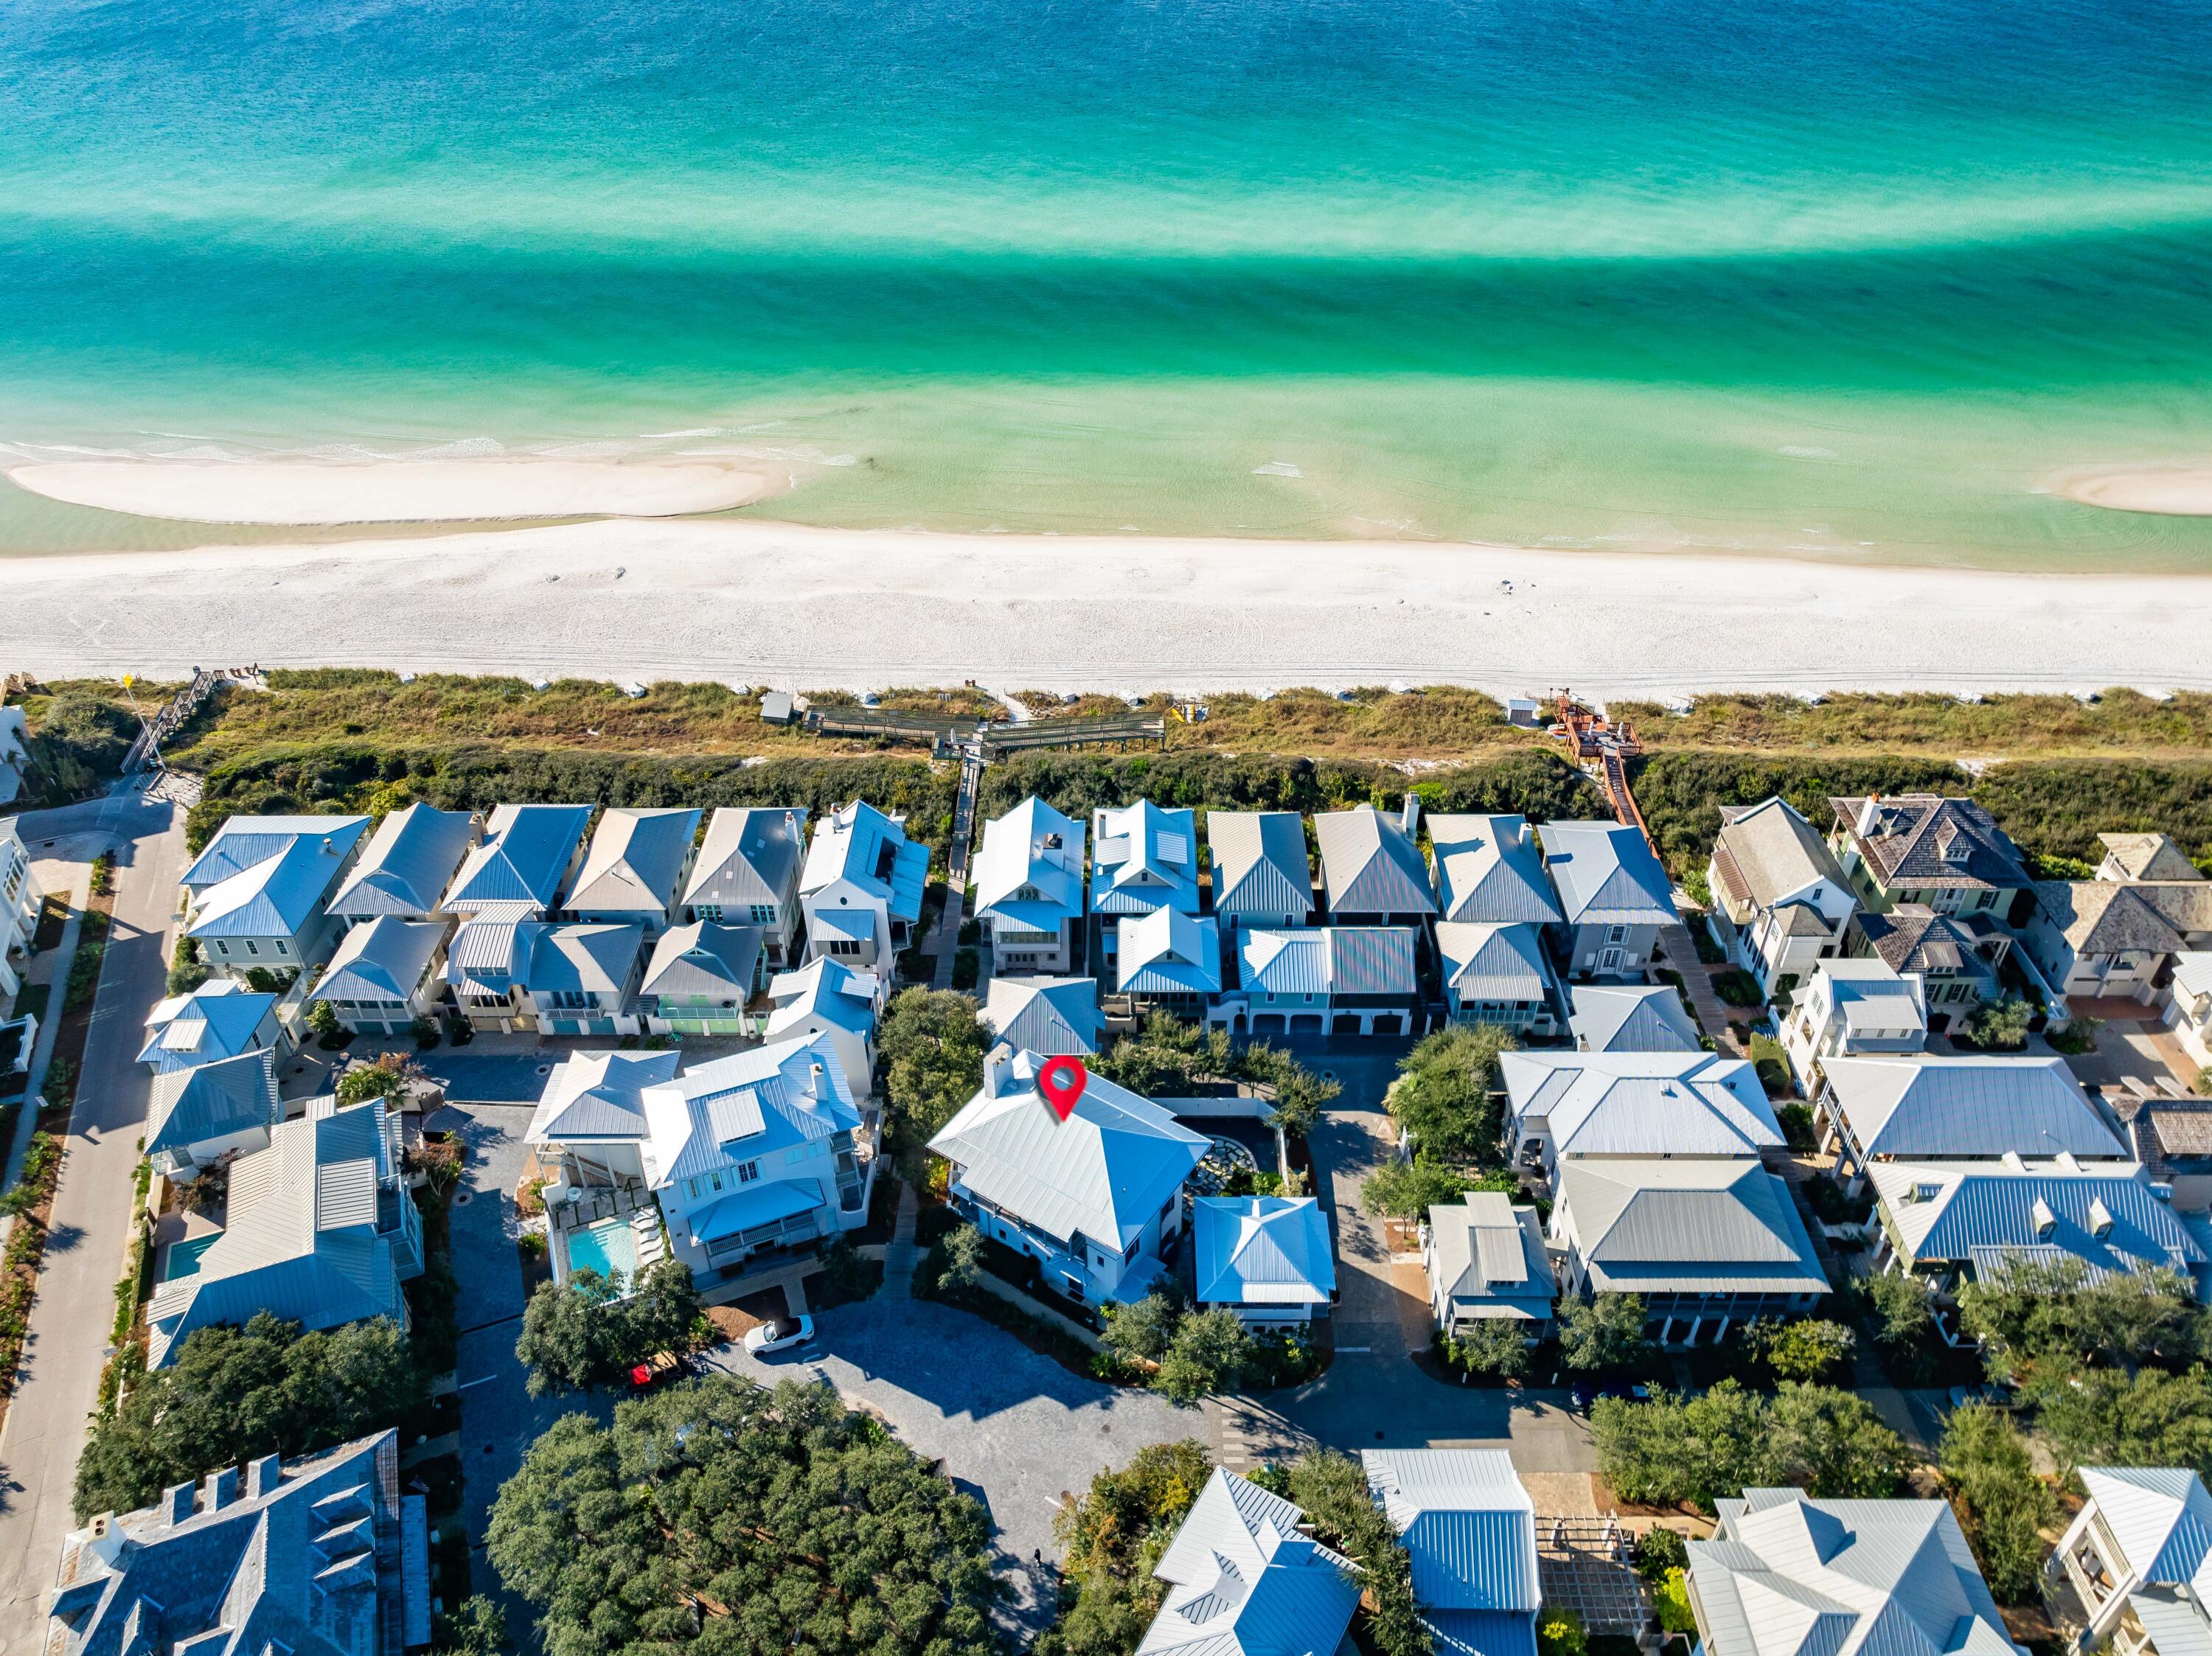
[(302, 492), (769, 603), (2173, 491)]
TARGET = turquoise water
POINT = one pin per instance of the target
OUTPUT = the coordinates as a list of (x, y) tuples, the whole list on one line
[(607, 1247), (1854, 280), (184, 1256)]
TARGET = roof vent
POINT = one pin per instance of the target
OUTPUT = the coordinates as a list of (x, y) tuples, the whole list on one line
[(2100, 1218), (2066, 1159), (1411, 819), (2045, 1220), (2012, 1159)]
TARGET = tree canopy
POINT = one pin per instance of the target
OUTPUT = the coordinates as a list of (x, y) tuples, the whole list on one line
[(1802, 1349), (931, 1049), (2002, 1506), (1111, 1538), (2031, 1315), (2108, 1416), (718, 1515), (1331, 1489), (580, 1335), (1443, 1096), (1604, 1331), (1699, 1449), (236, 1394), (1407, 1190), (1211, 1351)]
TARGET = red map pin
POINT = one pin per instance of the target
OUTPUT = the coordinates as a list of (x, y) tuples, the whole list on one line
[(1062, 1081)]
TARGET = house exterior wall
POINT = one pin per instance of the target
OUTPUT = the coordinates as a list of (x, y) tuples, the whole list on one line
[(2190, 1018), (832, 1164), (234, 957), (1533, 1016), (206, 1152), (1608, 951), (702, 1014), (20, 901), (1080, 1268), (1017, 948), (823, 942), (514, 1013)]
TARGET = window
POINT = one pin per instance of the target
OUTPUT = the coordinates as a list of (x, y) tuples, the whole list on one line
[(747, 1172), (763, 913), (1616, 934), (710, 912), (844, 945), (222, 949), (251, 946)]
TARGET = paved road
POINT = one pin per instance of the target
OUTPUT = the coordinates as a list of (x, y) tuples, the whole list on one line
[(67, 1343)]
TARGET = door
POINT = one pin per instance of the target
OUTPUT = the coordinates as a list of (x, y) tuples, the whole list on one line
[(1612, 960)]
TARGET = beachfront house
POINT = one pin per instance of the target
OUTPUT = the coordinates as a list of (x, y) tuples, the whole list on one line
[(1266, 1257), (1485, 1261), (861, 888), (1709, 1243), (1262, 874), (2189, 1004), (20, 902), (2132, 1573), (528, 855), (1636, 1017), (1614, 898), (1337, 979), (15, 754), (1498, 974), (319, 1228), (405, 867), (255, 895), (1977, 1108), (2117, 935), (1780, 905), (1029, 887), (635, 869), (220, 1019), (1958, 958), (1143, 860), (832, 1001), (1165, 960), (1372, 873), (753, 1155), (1489, 871), (1096, 1199), (1244, 1579), (384, 974), (588, 1129), (1469, 1530), (199, 1117), (557, 979), (319, 1554), (747, 874), (700, 977), (1855, 1007), (1052, 1016), (1785, 1569), (1947, 854), (1564, 1105)]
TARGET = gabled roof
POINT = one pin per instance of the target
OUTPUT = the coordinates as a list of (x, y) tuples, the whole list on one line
[(2149, 856), (635, 859), (1103, 1172), (1243, 1580), (1143, 858), (1606, 875), (596, 959), (1260, 864), (827, 989), (1924, 840), (2193, 972), (489, 957), (1030, 870), (1489, 870), (2104, 917), (1467, 1524), (1641, 1103), (1262, 1250), (598, 1096), (705, 959), (385, 959), (1487, 961), (1370, 864), (1768, 853), (1875, 1001), (1788, 1575), (516, 873), (1631, 1018), (1329, 959), (1686, 1226), (265, 877), (1931, 1108), (2161, 1517), (751, 855), (747, 1107), (859, 844), (1914, 938), (216, 1020), (1050, 1016), (1984, 1214), (1486, 1250), (1168, 952), (407, 864), (212, 1100)]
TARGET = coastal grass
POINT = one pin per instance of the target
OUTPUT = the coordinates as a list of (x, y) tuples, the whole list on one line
[(2118, 721)]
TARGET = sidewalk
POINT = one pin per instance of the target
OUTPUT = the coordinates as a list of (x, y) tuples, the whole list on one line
[(903, 1253), (1698, 981), (50, 968)]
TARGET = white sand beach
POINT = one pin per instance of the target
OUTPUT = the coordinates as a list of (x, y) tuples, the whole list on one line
[(768, 604), (300, 492), (2176, 491)]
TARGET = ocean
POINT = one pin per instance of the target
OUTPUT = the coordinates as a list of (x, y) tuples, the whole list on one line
[(1853, 281)]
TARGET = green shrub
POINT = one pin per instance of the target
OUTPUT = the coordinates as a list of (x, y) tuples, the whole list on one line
[(1735, 986)]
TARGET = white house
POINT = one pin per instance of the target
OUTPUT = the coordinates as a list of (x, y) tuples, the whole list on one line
[(1958, 958), (590, 1120), (1267, 1258), (1051, 1017), (1781, 904), (256, 893), (1489, 872), (14, 753), (1485, 1261), (384, 974), (1614, 898), (1858, 1007), (1974, 1108), (1165, 961), (2135, 1567), (753, 1154), (2189, 1004), (406, 866), (1566, 1106), (1095, 1198), (220, 1019), (526, 860), (1342, 980), (1371, 871), (20, 901), (700, 977), (831, 1001), (1497, 973), (1631, 1018), (635, 868), (1262, 874), (861, 889), (198, 1117), (747, 874), (1245, 1580), (2114, 936), (1469, 1530), (1029, 887), (1143, 860), (562, 979)]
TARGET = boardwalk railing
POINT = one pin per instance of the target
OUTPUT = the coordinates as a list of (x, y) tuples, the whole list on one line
[(171, 717)]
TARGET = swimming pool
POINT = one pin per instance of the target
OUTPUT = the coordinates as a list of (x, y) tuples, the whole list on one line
[(606, 1248), (184, 1256)]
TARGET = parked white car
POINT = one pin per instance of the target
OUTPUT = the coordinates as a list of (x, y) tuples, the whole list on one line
[(780, 1335)]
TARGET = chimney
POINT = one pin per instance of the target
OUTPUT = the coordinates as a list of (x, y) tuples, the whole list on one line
[(1869, 815), (1410, 819), (263, 1476), (996, 1065), (221, 1489), (177, 1503), (819, 1081)]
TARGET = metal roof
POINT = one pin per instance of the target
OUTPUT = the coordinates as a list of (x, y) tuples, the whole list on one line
[(828, 990), (1606, 875), (1244, 1580), (1051, 1017), (2193, 972), (407, 864), (1931, 1108), (1329, 959), (277, 875), (1370, 864), (598, 1096), (1029, 868), (1260, 864), (1688, 1104), (1262, 1250), (1143, 858), (212, 1100), (705, 959), (751, 854), (635, 860), (1944, 1210), (1491, 961), (593, 959), (1684, 1227), (384, 959), (518, 867), (859, 844), (1489, 870), (216, 1020), (1488, 1257), (1467, 1522), (1631, 1018), (748, 1105), (1168, 952), (2160, 1516)]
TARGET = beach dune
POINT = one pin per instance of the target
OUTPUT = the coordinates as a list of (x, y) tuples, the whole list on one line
[(303, 492)]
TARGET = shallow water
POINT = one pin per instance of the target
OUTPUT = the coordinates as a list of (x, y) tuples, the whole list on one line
[(1852, 283)]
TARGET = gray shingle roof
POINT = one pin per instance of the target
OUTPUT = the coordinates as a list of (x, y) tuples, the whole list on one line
[(1773, 851), (1489, 870), (407, 864), (1686, 1226), (1924, 840), (2150, 856), (1914, 938), (1606, 875), (2104, 917)]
